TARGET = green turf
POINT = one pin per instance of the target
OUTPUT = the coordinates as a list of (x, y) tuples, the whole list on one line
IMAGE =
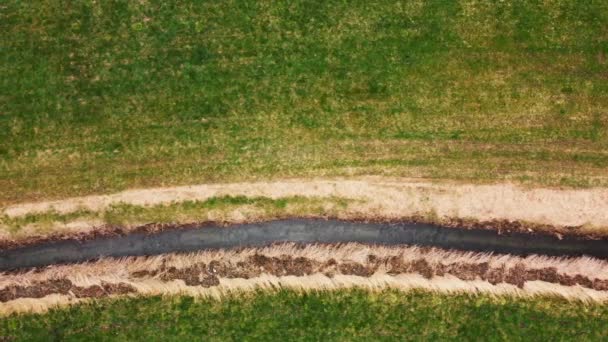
[(100, 96), (325, 316)]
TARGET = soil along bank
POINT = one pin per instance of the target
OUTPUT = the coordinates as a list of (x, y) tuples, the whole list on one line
[(310, 267), (389, 198), (299, 231)]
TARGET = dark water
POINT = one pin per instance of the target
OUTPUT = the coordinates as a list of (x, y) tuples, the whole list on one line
[(301, 231)]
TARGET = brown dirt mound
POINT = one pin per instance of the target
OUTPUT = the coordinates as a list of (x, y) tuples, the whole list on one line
[(209, 269), (208, 275), (63, 286), (284, 265)]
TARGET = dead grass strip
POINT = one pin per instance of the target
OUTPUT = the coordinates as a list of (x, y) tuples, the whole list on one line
[(310, 267), (496, 206), (404, 282)]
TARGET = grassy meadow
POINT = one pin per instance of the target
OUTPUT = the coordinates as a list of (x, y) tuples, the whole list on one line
[(101, 96), (353, 315)]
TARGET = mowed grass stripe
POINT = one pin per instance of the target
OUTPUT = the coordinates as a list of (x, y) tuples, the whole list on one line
[(322, 315), (99, 97)]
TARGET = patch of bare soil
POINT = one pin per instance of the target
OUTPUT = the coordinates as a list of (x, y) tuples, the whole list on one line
[(63, 286), (507, 227), (307, 267), (256, 265), (209, 275)]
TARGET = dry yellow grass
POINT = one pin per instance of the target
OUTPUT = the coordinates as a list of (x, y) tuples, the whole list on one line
[(115, 271), (404, 282), (370, 197)]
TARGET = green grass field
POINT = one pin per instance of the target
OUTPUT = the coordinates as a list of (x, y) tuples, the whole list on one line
[(101, 96), (321, 316)]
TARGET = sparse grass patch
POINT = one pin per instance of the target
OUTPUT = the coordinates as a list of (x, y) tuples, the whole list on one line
[(226, 208)]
